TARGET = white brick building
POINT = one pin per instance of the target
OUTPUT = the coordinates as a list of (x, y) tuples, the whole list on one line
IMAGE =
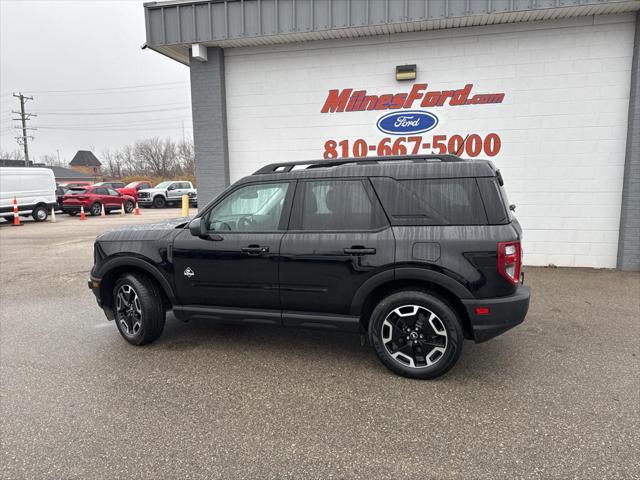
[(560, 120)]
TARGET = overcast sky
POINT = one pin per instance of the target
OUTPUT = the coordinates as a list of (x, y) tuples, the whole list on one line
[(92, 85)]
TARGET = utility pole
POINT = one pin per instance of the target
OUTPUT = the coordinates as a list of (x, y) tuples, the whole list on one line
[(23, 139)]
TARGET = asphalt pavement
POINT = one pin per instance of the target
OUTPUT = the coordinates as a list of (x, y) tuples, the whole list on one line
[(556, 397)]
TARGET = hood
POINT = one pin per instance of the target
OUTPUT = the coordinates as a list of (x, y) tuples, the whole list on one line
[(145, 231)]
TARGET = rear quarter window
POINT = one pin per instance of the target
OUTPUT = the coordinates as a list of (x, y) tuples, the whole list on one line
[(494, 202), (443, 201)]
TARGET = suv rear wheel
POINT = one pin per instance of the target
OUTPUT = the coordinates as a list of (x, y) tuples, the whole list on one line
[(95, 209), (138, 307), (416, 334)]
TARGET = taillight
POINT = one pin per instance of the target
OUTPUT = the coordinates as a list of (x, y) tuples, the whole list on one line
[(510, 260)]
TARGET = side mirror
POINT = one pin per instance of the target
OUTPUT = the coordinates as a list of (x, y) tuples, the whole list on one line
[(512, 207), (197, 227), (171, 187)]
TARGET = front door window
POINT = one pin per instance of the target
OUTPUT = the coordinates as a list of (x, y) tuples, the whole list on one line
[(252, 208)]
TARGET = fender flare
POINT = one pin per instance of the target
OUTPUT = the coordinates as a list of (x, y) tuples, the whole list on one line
[(143, 264), (407, 273)]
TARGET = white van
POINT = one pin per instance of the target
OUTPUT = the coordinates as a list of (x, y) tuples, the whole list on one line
[(34, 189)]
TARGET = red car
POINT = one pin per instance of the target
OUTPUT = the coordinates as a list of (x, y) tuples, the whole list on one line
[(93, 198), (133, 187)]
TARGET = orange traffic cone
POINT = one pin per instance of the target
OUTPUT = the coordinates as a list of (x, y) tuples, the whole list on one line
[(16, 218), (102, 212), (122, 209), (137, 212), (82, 215)]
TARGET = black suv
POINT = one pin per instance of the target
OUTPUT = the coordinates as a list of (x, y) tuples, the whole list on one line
[(417, 253)]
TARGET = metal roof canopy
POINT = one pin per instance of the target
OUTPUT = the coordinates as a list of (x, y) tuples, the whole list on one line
[(173, 26)]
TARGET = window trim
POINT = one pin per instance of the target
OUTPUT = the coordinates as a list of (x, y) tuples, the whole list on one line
[(295, 224), (284, 216)]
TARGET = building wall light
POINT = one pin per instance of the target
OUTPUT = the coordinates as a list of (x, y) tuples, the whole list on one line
[(406, 72)]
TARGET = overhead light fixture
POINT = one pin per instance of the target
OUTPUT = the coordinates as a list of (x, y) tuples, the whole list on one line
[(406, 72), (199, 52)]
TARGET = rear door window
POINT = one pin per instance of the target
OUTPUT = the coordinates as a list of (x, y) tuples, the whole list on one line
[(336, 205), (442, 201)]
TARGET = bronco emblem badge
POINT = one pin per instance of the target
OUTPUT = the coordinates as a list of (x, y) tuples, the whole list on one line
[(188, 272)]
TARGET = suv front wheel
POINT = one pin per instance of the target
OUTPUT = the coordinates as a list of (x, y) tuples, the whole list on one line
[(415, 334), (139, 309), (159, 202)]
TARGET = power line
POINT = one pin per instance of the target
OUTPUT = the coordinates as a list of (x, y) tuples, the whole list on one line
[(106, 109), (116, 124), (129, 112), (115, 129), (123, 87)]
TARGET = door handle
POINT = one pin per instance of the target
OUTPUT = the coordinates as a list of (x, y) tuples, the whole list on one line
[(359, 250), (254, 250)]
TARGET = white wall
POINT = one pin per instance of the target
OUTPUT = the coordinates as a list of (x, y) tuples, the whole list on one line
[(563, 121)]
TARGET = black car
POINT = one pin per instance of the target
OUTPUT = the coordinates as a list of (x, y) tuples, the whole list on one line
[(416, 253)]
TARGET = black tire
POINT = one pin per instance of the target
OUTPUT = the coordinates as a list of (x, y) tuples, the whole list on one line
[(72, 213), (128, 206), (159, 202), (446, 320), (95, 209), (40, 213), (152, 316)]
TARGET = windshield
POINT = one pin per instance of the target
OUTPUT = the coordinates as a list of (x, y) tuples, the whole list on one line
[(76, 191), (99, 184), (163, 184), (131, 185)]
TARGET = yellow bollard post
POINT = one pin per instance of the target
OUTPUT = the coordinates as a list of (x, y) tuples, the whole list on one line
[(185, 205)]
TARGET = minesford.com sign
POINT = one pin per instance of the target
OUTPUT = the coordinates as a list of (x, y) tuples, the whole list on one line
[(407, 124)]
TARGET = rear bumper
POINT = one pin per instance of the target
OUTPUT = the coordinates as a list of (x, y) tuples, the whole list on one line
[(94, 285), (73, 208), (504, 313)]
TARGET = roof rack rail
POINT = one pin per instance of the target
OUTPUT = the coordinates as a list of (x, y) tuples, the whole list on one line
[(288, 166)]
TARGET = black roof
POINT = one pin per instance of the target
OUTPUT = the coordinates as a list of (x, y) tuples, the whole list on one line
[(62, 172), (400, 167), (85, 158)]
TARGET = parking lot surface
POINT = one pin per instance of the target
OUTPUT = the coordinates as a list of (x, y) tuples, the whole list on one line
[(556, 397)]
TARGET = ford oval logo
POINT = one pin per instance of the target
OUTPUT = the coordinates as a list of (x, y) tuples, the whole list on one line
[(407, 121)]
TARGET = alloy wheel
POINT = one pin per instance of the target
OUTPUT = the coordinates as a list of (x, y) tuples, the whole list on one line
[(414, 336), (128, 310)]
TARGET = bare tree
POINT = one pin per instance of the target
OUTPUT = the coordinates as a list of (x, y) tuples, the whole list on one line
[(16, 154), (51, 160), (187, 157), (157, 156), (113, 163)]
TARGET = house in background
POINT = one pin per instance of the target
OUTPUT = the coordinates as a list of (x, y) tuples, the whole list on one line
[(86, 162), (67, 175), (61, 174)]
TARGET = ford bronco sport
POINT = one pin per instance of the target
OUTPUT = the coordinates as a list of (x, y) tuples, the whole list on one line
[(416, 253)]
